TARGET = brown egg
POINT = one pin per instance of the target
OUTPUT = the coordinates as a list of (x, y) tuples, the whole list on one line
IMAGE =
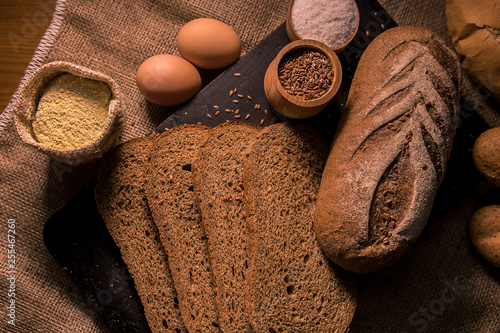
[(168, 80), (208, 43)]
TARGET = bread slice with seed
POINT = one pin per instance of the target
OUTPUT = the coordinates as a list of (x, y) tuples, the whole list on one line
[(171, 196), (292, 286), (218, 180), (122, 203)]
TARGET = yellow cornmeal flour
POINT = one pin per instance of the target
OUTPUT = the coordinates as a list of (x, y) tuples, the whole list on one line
[(72, 112)]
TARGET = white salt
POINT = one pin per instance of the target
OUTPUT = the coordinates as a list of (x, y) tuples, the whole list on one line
[(332, 22)]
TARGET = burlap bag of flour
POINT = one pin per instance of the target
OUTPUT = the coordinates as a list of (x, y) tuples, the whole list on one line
[(25, 108), (113, 38)]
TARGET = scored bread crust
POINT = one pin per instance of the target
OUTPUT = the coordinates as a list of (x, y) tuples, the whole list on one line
[(121, 201), (292, 286), (218, 180), (390, 150), (171, 196)]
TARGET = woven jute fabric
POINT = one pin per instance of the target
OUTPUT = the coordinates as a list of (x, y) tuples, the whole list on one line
[(442, 285)]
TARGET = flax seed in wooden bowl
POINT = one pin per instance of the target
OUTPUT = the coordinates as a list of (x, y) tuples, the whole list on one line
[(333, 22), (302, 79)]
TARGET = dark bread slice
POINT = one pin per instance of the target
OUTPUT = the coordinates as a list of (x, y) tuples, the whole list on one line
[(218, 180), (122, 203), (390, 150), (171, 196), (292, 286)]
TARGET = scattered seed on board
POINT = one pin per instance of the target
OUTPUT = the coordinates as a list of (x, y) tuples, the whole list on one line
[(231, 93), (235, 101), (237, 116), (265, 111), (209, 116), (237, 111), (262, 121), (247, 116), (216, 107), (217, 113), (249, 97), (227, 110), (237, 74), (240, 95), (257, 106)]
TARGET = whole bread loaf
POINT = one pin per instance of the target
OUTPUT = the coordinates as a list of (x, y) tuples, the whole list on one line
[(218, 180), (122, 203), (171, 197), (390, 151), (292, 286)]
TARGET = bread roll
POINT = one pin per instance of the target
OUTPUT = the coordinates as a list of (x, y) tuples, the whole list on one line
[(474, 28), (390, 150), (486, 155), (484, 231)]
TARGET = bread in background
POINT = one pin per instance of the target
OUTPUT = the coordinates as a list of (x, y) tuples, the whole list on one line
[(486, 155), (484, 231), (474, 28)]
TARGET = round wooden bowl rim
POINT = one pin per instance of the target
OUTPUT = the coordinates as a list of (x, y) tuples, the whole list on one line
[(336, 68)]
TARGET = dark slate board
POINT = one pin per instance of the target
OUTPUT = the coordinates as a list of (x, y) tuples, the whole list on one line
[(78, 239)]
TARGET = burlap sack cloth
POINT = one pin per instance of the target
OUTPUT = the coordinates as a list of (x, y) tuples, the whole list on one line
[(442, 286)]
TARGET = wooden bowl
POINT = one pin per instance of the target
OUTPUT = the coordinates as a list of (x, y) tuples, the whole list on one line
[(293, 35), (291, 106)]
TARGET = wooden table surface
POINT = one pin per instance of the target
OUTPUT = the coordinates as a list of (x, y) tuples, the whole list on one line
[(22, 25)]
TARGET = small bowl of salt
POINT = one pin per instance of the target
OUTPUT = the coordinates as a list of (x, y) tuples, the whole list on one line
[(332, 22)]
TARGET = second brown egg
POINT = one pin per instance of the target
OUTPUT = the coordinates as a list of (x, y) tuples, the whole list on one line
[(208, 43)]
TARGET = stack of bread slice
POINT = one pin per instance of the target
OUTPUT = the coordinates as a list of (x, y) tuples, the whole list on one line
[(216, 227)]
